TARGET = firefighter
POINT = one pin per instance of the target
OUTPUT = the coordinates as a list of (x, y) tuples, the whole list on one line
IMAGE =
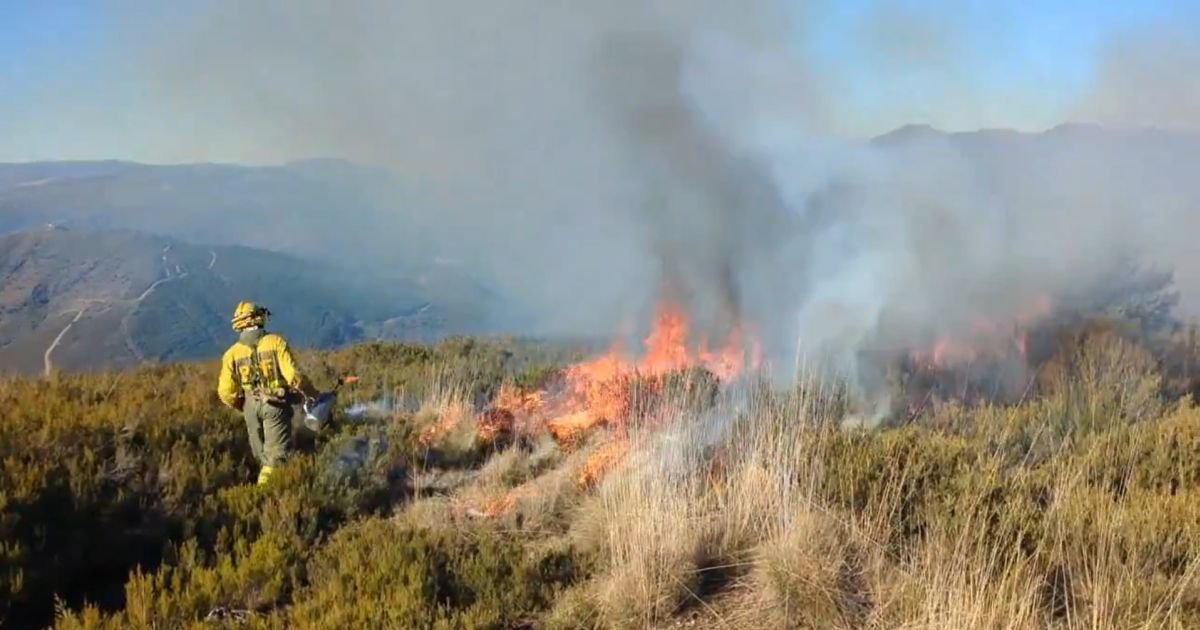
[(259, 377)]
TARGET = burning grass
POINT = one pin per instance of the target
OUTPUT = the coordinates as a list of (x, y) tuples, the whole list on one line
[(714, 498), (610, 393), (866, 531)]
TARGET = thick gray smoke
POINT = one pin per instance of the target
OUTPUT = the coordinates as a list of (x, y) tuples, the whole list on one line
[(544, 143), (589, 158)]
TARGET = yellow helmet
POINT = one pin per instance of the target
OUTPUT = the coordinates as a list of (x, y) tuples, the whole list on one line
[(248, 314)]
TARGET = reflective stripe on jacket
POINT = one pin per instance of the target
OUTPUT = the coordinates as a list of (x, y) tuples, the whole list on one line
[(276, 371)]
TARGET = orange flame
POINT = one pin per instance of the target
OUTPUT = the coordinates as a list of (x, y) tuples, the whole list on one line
[(517, 401), (569, 429), (448, 419), (524, 408), (602, 461), (985, 337), (599, 391), (667, 344), (607, 390), (495, 424), (727, 362), (498, 506)]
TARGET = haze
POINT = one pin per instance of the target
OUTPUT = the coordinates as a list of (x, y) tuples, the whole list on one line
[(583, 156)]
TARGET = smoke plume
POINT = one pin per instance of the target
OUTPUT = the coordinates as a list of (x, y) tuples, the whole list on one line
[(542, 142), (588, 158)]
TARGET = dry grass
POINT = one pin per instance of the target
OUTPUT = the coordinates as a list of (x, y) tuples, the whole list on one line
[(853, 528), (808, 574), (1077, 509)]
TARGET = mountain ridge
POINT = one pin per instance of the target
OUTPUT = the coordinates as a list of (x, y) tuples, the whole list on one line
[(374, 229)]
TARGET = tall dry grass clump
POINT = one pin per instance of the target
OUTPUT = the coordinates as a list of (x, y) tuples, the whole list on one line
[(1075, 510), (649, 523), (809, 574), (687, 509)]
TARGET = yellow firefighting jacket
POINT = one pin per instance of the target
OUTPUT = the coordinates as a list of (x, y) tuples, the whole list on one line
[(277, 370)]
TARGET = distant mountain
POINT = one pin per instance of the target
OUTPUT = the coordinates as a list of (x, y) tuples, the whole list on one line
[(1126, 154), (82, 299), (314, 206), (346, 251)]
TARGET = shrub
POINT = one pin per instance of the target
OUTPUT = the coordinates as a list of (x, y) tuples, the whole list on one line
[(126, 501), (378, 574), (103, 477)]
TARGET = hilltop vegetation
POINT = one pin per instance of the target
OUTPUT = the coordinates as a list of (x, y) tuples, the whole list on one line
[(127, 504)]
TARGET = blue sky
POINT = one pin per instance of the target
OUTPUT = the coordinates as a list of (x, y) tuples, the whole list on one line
[(65, 93), (997, 63)]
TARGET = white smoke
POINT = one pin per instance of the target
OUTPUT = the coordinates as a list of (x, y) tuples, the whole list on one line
[(890, 241)]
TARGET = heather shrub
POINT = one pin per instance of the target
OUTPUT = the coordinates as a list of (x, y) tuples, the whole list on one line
[(379, 574), (106, 478), (126, 502)]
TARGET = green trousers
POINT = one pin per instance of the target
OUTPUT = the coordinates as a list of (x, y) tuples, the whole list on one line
[(269, 425)]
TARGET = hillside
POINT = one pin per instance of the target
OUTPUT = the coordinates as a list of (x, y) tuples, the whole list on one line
[(84, 299), (446, 496), (1128, 187)]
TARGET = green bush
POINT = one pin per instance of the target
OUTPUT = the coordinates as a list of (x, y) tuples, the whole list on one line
[(378, 574)]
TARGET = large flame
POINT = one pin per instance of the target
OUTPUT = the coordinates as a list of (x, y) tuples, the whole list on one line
[(601, 391), (612, 388)]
